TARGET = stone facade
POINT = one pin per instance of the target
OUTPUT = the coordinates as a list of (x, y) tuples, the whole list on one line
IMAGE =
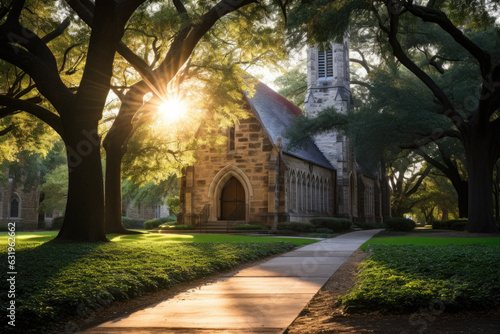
[(262, 180), (277, 186), (329, 86), (141, 212)]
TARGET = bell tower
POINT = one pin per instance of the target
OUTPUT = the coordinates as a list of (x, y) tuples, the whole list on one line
[(328, 86)]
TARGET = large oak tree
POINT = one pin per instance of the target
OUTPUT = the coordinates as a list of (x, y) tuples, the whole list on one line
[(75, 111)]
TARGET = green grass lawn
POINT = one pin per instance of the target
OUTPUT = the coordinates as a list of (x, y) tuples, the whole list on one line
[(30, 239), (432, 241), (407, 273), (55, 281)]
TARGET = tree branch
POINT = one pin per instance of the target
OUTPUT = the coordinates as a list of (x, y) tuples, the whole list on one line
[(57, 32), (448, 109), (43, 114)]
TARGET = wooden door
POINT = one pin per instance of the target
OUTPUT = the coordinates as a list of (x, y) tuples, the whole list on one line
[(233, 200)]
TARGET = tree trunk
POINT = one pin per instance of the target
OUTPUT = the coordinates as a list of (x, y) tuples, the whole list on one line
[(480, 149), (497, 194), (463, 199), (444, 214), (113, 191), (84, 215)]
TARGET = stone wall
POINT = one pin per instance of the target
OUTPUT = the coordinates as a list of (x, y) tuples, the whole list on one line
[(310, 190), (249, 162), (28, 203)]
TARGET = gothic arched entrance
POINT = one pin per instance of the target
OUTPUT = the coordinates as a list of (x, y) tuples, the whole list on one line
[(232, 200)]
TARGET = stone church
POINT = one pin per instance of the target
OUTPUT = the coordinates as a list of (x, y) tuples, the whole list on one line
[(257, 178)]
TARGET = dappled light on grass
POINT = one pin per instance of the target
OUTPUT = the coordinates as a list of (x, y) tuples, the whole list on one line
[(57, 281), (148, 237)]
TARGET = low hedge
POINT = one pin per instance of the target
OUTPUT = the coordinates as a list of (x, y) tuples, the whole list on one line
[(154, 223), (250, 227), (453, 224), (57, 223), (182, 227), (370, 226), (132, 223), (400, 224), (335, 224), (297, 226)]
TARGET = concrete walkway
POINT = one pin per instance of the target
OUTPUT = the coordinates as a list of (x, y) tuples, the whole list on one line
[(265, 298)]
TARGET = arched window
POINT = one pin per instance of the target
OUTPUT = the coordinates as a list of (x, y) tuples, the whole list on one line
[(14, 207)]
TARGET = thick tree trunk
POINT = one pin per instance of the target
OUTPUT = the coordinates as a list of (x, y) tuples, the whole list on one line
[(84, 217), (480, 152), (463, 199), (113, 192)]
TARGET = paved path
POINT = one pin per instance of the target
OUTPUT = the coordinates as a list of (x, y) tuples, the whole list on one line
[(265, 298)]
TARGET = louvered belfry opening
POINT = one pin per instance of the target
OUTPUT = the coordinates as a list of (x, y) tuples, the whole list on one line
[(233, 200), (325, 63)]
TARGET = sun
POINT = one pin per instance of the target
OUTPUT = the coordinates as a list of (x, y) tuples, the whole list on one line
[(171, 110)]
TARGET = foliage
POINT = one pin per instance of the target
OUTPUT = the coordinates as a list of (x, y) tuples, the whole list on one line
[(55, 190), (174, 204), (454, 224), (81, 278), (296, 226), (152, 224), (400, 224), (293, 84), (180, 227), (335, 224), (370, 226), (57, 223), (149, 194), (250, 227), (129, 223), (324, 230), (405, 278)]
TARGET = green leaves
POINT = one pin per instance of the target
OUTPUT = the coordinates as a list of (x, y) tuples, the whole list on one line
[(404, 278)]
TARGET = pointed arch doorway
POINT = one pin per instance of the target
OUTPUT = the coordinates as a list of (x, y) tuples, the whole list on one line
[(232, 200)]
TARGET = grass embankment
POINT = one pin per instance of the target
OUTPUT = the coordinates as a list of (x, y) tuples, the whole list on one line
[(55, 281), (405, 274)]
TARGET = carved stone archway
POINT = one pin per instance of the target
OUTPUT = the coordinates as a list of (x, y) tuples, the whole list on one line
[(217, 184)]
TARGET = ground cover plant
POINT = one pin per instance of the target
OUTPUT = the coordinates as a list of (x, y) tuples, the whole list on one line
[(404, 274), (56, 281)]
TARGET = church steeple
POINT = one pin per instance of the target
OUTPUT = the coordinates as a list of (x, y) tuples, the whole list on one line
[(328, 85), (328, 78)]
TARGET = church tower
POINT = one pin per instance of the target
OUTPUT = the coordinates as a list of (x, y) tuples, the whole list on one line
[(328, 85)]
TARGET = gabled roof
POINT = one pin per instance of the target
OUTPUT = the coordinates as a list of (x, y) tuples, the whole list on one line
[(276, 115)]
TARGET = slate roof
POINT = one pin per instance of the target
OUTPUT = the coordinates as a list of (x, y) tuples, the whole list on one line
[(276, 115)]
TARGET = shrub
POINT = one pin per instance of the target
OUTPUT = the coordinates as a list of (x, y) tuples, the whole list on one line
[(182, 227), (335, 224), (324, 230), (457, 225), (132, 223), (250, 227), (439, 224), (152, 224), (297, 226), (400, 224), (370, 226), (57, 223)]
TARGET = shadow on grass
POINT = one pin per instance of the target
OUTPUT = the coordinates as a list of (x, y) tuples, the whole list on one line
[(36, 269)]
